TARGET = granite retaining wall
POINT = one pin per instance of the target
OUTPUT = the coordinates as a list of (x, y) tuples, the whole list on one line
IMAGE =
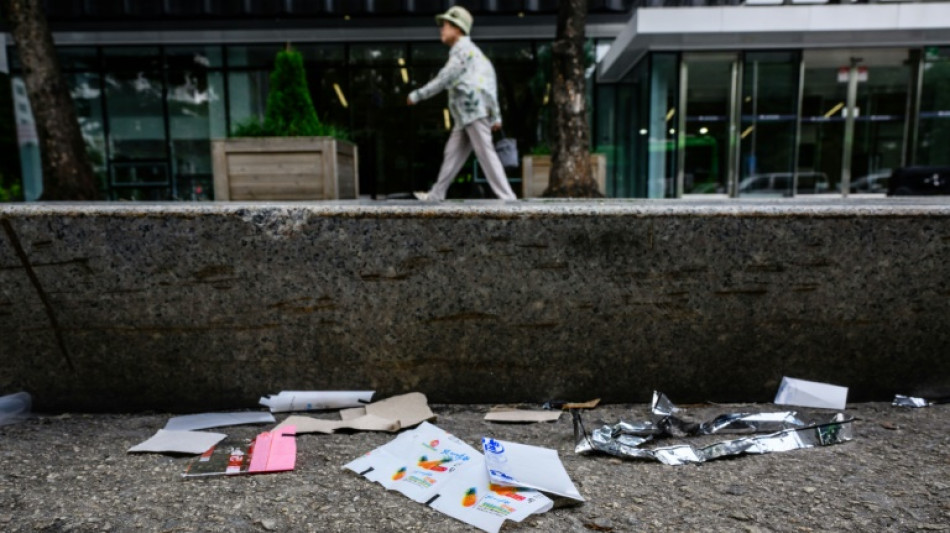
[(187, 307)]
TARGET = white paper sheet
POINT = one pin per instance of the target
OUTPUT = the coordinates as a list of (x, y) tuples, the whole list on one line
[(804, 393), (166, 441), (214, 420), (315, 400), (533, 467)]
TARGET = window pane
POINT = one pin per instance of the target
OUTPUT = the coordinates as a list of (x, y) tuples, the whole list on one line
[(195, 115), (934, 132), (133, 58), (378, 54), (769, 116), (247, 96), (193, 57), (136, 125), (86, 92), (259, 56)]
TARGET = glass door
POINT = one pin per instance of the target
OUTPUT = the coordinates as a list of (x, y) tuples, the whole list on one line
[(707, 123), (854, 116), (767, 135)]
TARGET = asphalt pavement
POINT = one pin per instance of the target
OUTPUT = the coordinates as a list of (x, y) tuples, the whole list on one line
[(71, 472)]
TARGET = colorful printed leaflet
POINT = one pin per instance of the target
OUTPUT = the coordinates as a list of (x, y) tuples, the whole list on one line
[(428, 465)]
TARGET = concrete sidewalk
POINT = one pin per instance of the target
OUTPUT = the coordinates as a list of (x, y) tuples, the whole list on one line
[(71, 473)]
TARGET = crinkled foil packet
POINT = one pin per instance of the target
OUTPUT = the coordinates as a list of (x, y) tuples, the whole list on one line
[(785, 432)]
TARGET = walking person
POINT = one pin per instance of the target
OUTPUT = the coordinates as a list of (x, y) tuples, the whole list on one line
[(469, 78)]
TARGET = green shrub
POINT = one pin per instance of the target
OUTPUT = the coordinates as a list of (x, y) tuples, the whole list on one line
[(10, 193), (290, 111)]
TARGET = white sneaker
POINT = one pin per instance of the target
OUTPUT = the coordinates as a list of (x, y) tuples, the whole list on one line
[(421, 196)]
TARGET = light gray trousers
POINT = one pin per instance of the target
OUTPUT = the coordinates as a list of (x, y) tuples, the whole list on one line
[(475, 136)]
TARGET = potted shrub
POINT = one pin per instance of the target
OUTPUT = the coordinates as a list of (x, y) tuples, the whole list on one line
[(291, 155), (536, 172)]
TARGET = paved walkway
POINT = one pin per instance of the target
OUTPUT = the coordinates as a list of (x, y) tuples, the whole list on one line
[(71, 473)]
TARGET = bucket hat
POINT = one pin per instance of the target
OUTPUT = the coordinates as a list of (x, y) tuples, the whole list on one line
[(459, 16)]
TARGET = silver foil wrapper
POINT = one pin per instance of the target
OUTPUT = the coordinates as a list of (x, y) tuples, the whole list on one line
[(909, 401), (785, 432)]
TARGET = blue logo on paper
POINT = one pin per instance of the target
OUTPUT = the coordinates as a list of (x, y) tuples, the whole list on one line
[(501, 475), (493, 446)]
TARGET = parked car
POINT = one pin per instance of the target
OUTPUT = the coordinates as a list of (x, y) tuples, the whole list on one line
[(780, 183), (908, 181), (875, 182)]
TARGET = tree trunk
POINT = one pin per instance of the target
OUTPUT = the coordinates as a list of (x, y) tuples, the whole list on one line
[(67, 173), (571, 175)]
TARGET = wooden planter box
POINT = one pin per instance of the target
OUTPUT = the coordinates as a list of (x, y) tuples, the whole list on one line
[(284, 168), (536, 171)]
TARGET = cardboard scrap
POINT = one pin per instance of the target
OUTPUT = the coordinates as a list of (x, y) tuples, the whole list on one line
[(166, 441), (514, 416), (391, 414), (582, 405), (213, 420), (408, 409), (811, 394), (315, 400), (271, 451), (532, 467), (430, 466), (352, 412)]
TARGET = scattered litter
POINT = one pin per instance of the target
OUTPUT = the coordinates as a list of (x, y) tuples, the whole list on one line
[(391, 414), (171, 441), (909, 401), (790, 433), (315, 400), (430, 466), (214, 420), (516, 416), (15, 407), (308, 424), (271, 451), (352, 412), (409, 409), (560, 404), (913, 401), (811, 394), (520, 465)]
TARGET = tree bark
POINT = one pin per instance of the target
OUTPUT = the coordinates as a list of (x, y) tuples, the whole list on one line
[(67, 173), (571, 174)]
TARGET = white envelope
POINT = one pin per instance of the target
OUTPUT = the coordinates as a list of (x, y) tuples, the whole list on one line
[(811, 394), (214, 420), (533, 467), (179, 442)]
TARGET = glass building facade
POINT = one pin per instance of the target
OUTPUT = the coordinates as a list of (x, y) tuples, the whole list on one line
[(148, 113), (776, 123), (681, 121)]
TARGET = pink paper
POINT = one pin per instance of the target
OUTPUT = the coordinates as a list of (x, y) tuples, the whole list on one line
[(274, 451)]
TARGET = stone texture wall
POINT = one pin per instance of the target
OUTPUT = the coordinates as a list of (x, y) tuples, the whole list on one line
[(191, 307)]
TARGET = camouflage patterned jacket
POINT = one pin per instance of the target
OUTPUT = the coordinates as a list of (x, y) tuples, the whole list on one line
[(470, 80)]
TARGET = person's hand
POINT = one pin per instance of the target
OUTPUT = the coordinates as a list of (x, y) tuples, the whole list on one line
[(409, 101), (496, 126)]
